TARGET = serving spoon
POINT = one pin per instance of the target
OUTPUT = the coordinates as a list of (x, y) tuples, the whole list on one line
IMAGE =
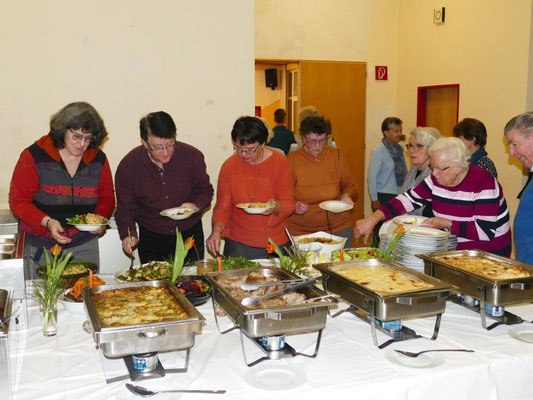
[(142, 391), (254, 300), (414, 355)]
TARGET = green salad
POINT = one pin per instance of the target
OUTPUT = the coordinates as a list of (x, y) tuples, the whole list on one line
[(238, 262), (151, 271)]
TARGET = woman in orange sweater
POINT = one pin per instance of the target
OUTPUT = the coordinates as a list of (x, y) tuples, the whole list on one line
[(254, 174), (320, 173)]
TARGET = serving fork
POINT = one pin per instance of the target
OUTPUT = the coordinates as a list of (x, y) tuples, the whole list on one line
[(414, 355)]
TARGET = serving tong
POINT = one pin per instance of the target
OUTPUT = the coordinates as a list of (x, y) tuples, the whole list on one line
[(254, 300), (253, 285)]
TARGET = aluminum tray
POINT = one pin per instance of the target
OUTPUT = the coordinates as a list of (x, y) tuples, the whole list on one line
[(300, 318), (386, 307), (120, 341), (494, 292)]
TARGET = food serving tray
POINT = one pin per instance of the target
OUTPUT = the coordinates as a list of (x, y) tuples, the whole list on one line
[(387, 306), (259, 322), (496, 292), (493, 292), (120, 341)]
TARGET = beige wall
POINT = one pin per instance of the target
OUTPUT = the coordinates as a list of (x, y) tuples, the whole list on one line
[(483, 47), (193, 59)]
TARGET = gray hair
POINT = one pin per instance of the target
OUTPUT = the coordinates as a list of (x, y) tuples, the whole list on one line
[(522, 123), (455, 149), (425, 135)]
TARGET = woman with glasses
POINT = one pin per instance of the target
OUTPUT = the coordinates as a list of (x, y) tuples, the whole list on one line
[(158, 174), (59, 176), (420, 140), (320, 173), (254, 174), (466, 199)]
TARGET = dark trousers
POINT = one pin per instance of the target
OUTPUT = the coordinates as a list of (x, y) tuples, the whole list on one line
[(159, 247), (238, 249)]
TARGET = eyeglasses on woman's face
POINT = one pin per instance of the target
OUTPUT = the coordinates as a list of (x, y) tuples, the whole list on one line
[(246, 150), (315, 142), (161, 149), (413, 147), (438, 169), (77, 137)]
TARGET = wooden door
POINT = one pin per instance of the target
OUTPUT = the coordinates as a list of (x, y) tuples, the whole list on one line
[(438, 107), (338, 90)]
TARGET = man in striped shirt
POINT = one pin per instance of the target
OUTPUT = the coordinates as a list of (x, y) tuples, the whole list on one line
[(466, 200)]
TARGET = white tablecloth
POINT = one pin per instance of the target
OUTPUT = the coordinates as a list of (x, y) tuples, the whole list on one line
[(348, 365)]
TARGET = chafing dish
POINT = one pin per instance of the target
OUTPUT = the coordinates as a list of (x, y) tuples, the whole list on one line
[(259, 323), (494, 292), (120, 341), (370, 305)]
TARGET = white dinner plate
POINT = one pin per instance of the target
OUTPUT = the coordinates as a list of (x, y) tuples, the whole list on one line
[(253, 210), (524, 334), (428, 232), (426, 360), (88, 227), (409, 220), (335, 206), (178, 213), (275, 377)]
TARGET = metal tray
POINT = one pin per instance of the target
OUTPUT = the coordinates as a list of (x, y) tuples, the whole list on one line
[(386, 307), (299, 318), (120, 341), (491, 291)]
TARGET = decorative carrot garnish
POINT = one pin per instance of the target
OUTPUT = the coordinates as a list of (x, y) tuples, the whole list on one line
[(342, 254), (219, 262)]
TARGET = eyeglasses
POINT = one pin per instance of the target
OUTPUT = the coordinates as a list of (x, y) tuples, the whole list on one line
[(437, 169), (395, 130), (81, 138), (161, 149), (414, 146), (315, 141), (246, 150)]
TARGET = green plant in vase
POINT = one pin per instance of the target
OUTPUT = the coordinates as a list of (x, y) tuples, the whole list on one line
[(47, 291), (293, 261), (182, 248)]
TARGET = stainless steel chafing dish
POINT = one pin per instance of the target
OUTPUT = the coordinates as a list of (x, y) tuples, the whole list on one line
[(267, 322), (370, 305), (494, 292), (120, 341)]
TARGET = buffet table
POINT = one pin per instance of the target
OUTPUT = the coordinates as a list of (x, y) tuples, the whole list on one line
[(348, 364)]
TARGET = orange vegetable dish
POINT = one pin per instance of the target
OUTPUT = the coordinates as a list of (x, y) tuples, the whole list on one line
[(76, 289)]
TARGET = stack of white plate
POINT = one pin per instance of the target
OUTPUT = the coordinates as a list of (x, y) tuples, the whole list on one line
[(417, 240)]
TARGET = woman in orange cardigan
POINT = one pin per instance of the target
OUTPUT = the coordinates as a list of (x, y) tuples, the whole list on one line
[(320, 173), (255, 173)]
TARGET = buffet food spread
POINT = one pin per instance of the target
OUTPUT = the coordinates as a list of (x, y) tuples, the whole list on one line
[(486, 267)]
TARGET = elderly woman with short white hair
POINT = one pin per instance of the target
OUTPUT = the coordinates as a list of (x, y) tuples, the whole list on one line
[(420, 140), (466, 200)]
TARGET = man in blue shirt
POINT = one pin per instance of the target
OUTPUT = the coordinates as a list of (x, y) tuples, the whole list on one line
[(518, 133), (283, 137)]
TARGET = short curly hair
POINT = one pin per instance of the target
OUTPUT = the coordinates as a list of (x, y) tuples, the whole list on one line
[(471, 128), (318, 125), (78, 115)]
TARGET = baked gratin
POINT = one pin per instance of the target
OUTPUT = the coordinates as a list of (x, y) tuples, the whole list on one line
[(383, 280), (488, 268), (137, 305)]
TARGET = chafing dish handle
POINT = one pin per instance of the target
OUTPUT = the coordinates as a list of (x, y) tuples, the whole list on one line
[(151, 334), (416, 300), (519, 286)]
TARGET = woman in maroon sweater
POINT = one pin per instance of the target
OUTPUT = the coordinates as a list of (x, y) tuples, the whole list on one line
[(466, 200)]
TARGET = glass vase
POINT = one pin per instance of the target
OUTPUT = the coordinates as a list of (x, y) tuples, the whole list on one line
[(49, 320)]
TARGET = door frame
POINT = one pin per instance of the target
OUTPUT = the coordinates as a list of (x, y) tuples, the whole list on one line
[(421, 102)]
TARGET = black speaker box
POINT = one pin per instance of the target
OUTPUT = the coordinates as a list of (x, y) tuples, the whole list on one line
[(271, 78)]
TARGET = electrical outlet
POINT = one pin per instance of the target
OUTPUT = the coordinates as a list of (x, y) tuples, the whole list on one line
[(439, 15)]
